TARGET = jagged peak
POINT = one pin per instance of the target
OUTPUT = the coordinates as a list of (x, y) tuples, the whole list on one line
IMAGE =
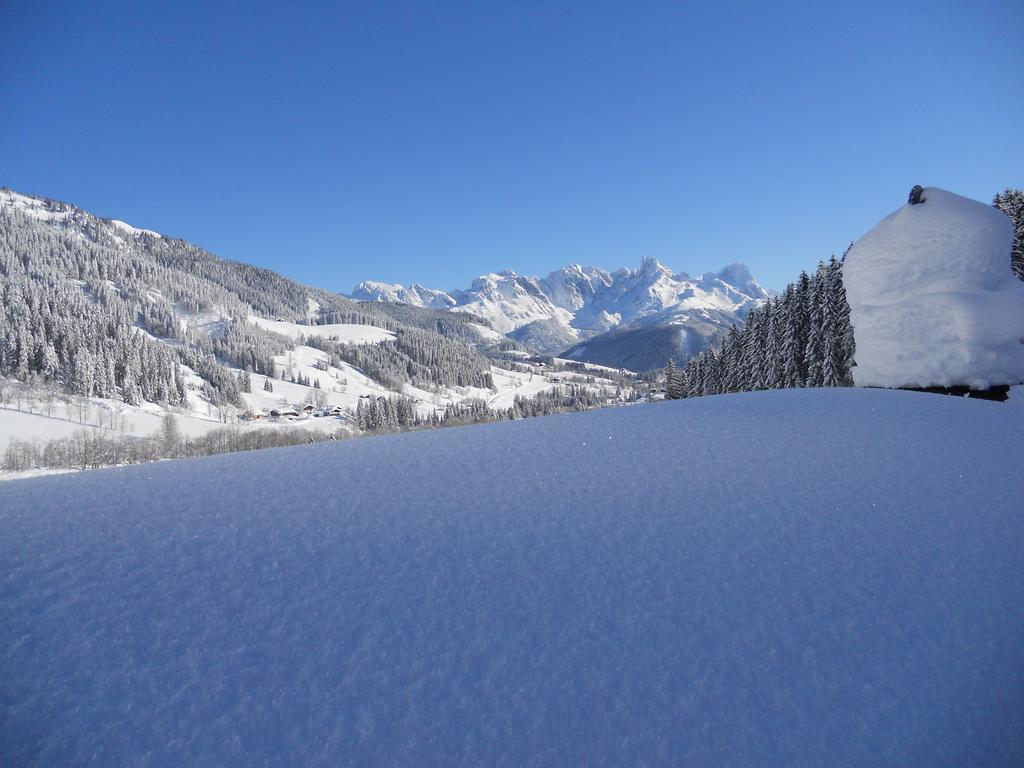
[(651, 264), (736, 273)]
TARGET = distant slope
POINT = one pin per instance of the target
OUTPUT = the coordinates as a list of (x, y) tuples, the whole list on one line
[(645, 347), (648, 585)]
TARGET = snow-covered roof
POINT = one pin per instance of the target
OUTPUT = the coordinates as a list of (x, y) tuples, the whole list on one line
[(933, 300)]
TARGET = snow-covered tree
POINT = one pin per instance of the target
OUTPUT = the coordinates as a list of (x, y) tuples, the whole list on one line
[(803, 338), (1011, 202), (673, 384)]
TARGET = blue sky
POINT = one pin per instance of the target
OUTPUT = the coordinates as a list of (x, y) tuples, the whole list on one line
[(430, 142)]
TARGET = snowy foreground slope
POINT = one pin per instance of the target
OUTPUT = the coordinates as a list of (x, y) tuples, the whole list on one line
[(933, 300), (811, 577)]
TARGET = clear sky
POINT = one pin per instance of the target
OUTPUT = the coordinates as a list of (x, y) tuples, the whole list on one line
[(430, 142)]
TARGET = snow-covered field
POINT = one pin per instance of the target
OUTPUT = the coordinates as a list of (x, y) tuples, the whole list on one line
[(100, 415), (346, 332), (343, 387), (810, 577)]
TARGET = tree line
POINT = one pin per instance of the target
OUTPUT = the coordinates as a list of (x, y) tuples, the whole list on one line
[(92, 448), (802, 338)]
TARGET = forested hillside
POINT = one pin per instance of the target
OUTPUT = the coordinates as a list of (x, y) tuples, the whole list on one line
[(106, 329), (85, 302)]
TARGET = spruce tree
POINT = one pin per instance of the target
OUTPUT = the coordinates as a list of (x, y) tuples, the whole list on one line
[(732, 361), (750, 357), (1011, 202), (672, 382), (774, 363), (832, 329), (815, 350), (792, 348)]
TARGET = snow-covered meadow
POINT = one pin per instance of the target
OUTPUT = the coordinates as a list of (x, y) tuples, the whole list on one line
[(344, 332), (810, 577), (35, 420)]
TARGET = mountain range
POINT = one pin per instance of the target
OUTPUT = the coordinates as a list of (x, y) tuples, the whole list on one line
[(630, 318)]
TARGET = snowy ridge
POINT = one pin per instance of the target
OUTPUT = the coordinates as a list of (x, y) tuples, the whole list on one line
[(416, 295), (129, 229), (35, 207), (54, 211), (465, 600), (576, 303)]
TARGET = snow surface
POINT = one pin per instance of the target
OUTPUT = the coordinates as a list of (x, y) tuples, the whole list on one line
[(635, 586), (589, 366), (346, 332), (31, 206), (486, 334), (932, 299), (26, 474), (129, 229), (39, 208), (104, 416)]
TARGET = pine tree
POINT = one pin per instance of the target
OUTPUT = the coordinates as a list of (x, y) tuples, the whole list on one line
[(815, 351), (843, 327), (673, 388), (830, 285), (750, 358), (732, 361), (1011, 202), (792, 348), (712, 373), (774, 374)]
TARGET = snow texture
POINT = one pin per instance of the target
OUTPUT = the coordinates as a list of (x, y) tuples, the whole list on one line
[(345, 332), (933, 301), (637, 586)]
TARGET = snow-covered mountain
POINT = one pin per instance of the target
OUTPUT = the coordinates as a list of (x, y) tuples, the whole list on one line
[(580, 304), (415, 295)]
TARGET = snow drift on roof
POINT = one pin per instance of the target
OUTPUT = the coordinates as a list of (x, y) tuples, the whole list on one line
[(933, 301)]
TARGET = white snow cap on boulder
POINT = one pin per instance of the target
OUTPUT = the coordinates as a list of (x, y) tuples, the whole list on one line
[(933, 301)]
